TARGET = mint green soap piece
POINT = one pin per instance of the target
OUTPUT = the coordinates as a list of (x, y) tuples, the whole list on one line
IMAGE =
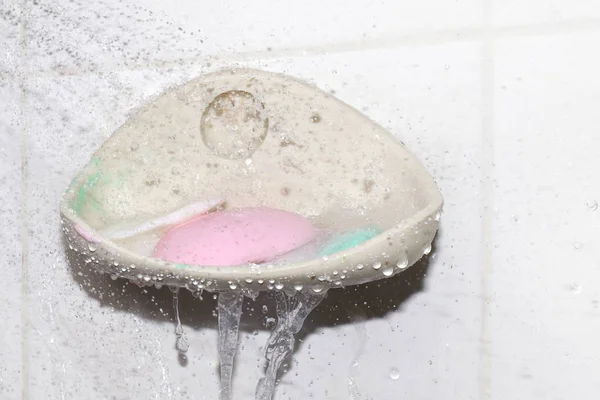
[(348, 240)]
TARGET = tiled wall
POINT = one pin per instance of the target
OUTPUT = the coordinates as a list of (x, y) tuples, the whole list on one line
[(499, 98)]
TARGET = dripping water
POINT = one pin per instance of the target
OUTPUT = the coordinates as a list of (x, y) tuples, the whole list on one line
[(230, 311), (181, 343), (291, 313)]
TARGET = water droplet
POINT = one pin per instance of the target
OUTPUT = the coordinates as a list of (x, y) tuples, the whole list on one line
[(317, 288), (270, 323), (181, 344), (592, 205), (298, 287), (394, 374), (114, 277), (427, 249), (265, 309), (233, 125), (147, 278), (360, 266), (279, 286), (315, 118), (437, 216), (402, 262), (232, 285), (388, 271), (248, 280), (92, 246), (376, 265), (575, 288)]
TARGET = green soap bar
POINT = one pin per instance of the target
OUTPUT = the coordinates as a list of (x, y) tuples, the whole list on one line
[(348, 240)]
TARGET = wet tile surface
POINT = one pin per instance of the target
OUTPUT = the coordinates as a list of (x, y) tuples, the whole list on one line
[(11, 272), (545, 307)]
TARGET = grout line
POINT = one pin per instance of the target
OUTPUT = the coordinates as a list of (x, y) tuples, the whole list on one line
[(25, 323), (487, 206), (380, 43), (546, 28), (415, 38), (427, 38), (442, 37)]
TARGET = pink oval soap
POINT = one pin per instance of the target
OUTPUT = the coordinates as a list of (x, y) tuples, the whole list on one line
[(234, 237)]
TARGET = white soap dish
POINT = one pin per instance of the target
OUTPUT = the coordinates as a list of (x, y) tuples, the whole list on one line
[(285, 145)]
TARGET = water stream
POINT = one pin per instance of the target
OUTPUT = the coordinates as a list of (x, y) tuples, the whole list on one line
[(292, 311), (291, 314), (230, 311)]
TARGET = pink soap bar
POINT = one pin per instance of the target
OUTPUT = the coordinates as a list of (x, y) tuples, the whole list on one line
[(235, 237)]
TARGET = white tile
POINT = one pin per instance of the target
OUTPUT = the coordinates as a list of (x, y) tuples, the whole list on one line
[(70, 36), (10, 17), (429, 96), (545, 311), (10, 240), (516, 12)]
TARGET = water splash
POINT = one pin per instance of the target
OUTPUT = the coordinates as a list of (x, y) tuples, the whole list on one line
[(230, 311), (357, 316), (156, 353), (181, 343), (291, 314)]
